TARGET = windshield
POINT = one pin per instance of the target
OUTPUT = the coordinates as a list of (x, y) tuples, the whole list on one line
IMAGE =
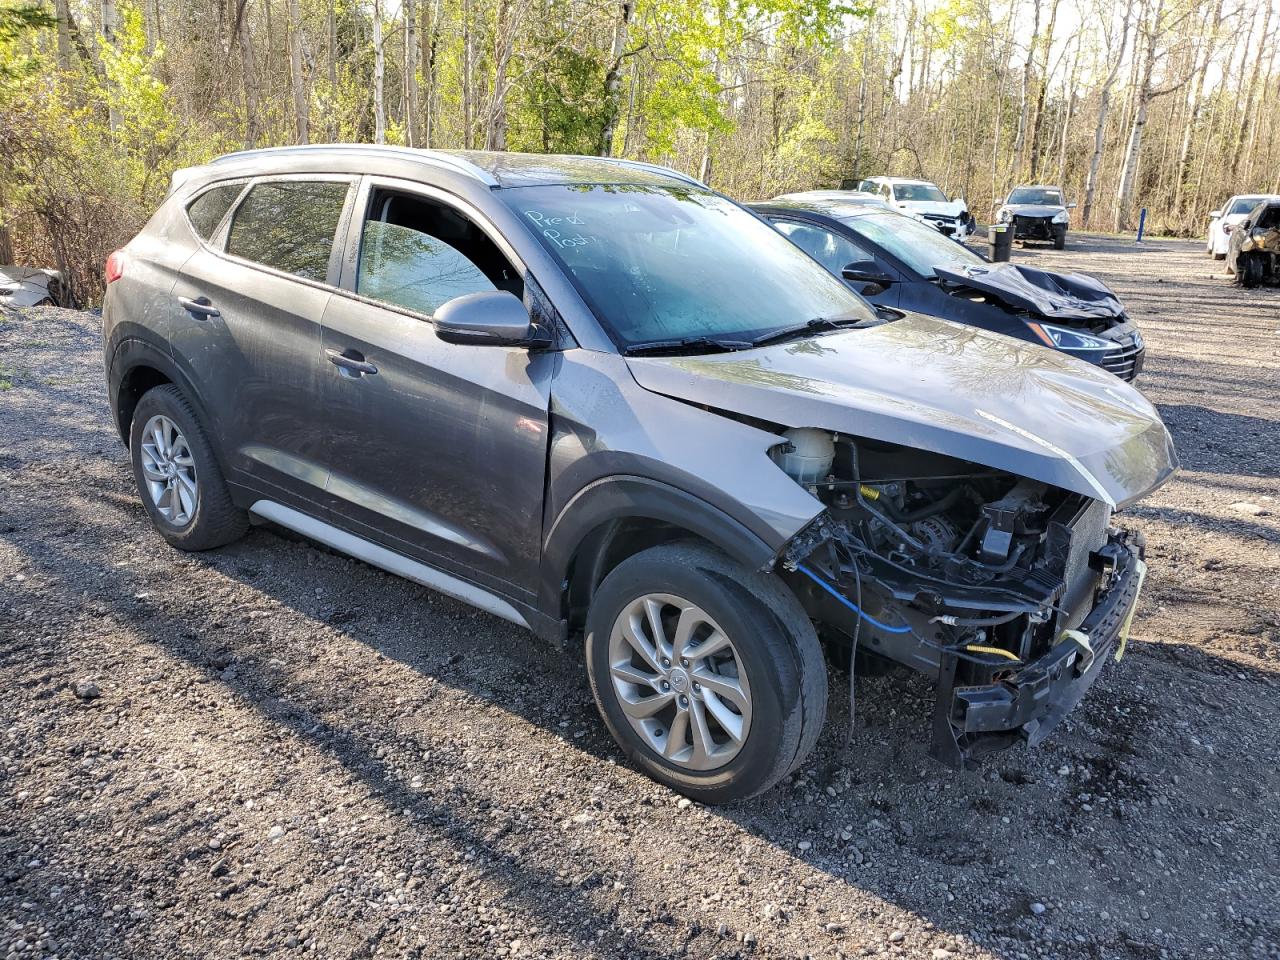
[(673, 263), (918, 191), (921, 248), (1037, 196), (1245, 204)]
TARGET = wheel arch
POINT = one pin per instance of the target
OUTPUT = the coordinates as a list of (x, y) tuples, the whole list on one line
[(617, 517), (138, 366)]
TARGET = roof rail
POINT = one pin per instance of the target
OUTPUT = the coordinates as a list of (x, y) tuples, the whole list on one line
[(433, 157), (654, 168)]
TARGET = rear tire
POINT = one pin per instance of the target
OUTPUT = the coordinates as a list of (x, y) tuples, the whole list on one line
[(767, 681), (178, 477)]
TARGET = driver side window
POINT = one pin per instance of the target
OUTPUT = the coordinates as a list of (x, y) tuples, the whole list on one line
[(830, 249), (420, 254)]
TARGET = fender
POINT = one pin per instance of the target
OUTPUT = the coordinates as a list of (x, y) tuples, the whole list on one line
[(130, 352), (610, 499)]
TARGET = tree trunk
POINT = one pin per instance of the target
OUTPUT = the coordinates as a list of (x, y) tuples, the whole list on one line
[(468, 82), (1243, 130), (332, 18), (1100, 129), (1042, 89), (413, 134), (379, 77), (613, 79), (1024, 114), (250, 76), (430, 20), (495, 136), (61, 10), (109, 24), (301, 95)]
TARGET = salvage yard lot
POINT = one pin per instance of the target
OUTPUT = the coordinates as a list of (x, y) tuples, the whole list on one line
[(270, 749)]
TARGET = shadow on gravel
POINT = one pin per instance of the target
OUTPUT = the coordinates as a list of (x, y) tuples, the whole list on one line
[(1197, 430), (889, 762)]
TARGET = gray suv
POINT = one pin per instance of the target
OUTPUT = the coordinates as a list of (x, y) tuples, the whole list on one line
[(597, 399)]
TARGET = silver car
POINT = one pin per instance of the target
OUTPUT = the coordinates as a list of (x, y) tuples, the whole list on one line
[(597, 399)]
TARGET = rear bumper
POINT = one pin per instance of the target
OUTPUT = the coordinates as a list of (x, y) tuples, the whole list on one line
[(1030, 701)]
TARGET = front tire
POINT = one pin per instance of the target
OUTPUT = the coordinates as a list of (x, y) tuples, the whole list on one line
[(709, 675), (1060, 240), (178, 477), (1249, 268)]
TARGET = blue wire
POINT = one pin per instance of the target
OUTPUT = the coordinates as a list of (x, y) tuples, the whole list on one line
[(849, 603)]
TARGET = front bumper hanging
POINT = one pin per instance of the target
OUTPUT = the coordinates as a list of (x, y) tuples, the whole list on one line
[(1029, 702)]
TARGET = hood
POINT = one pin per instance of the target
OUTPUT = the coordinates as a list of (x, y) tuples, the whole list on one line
[(1033, 209), (1063, 296), (950, 208), (943, 387)]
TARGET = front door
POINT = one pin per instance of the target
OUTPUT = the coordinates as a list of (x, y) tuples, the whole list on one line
[(436, 450), (835, 251), (250, 305)]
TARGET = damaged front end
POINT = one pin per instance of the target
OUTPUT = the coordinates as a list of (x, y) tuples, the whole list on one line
[(1010, 593), (1070, 312)]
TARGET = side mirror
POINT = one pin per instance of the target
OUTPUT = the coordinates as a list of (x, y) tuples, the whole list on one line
[(866, 271), (491, 318), (1071, 206), (1215, 215)]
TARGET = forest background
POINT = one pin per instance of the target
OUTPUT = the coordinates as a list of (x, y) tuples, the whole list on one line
[(1171, 105)]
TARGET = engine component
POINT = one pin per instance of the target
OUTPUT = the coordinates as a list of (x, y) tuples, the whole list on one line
[(807, 455), (1003, 517), (937, 533)]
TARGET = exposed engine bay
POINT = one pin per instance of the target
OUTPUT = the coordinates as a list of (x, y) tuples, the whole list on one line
[(965, 573)]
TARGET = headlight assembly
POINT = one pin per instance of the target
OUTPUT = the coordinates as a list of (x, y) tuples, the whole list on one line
[(1005, 216), (1061, 217), (1065, 339)]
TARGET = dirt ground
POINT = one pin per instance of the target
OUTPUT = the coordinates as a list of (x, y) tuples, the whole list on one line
[(293, 753)]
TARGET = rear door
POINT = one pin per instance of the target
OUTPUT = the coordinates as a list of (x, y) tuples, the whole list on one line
[(436, 450), (250, 304)]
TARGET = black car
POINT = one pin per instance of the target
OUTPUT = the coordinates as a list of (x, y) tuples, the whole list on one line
[(1253, 253), (896, 261)]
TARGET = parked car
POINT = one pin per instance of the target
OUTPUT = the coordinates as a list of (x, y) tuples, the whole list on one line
[(1037, 213), (33, 286), (595, 398), (1254, 254), (894, 261), (921, 198), (1224, 220)]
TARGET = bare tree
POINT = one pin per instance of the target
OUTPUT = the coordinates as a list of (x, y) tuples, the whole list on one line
[(379, 77), (297, 75), (1115, 55)]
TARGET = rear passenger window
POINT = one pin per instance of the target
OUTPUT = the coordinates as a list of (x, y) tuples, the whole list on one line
[(289, 226), (420, 254), (207, 210)]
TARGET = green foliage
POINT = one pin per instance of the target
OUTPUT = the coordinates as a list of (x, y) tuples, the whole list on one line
[(17, 24)]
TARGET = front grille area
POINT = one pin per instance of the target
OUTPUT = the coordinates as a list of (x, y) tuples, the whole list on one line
[(946, 225), (1037, 228), (1124, 361)]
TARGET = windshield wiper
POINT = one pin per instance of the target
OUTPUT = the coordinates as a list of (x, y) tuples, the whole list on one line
[(812, 326), (699, 343)]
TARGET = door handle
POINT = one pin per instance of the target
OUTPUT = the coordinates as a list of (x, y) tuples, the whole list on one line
[(351, 363), (201, 308)]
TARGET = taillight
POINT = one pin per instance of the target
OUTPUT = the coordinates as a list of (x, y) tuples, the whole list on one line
[(115, 266)]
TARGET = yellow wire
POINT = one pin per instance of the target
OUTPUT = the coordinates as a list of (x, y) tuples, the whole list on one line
[(996, 650)]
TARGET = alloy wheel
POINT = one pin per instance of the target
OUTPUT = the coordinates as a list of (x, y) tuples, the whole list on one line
[(169, 470), (680, 681)]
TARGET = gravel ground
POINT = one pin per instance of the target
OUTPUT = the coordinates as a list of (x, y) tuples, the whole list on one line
[(270, 749)]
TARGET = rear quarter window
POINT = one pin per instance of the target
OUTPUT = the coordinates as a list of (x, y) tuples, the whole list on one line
[(289, 225), (207, 210)]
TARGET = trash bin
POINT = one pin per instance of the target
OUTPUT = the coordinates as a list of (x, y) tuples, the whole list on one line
[(1001, 239)]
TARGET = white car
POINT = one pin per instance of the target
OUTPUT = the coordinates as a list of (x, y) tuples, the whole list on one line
[(1224, 220), (922, 199)]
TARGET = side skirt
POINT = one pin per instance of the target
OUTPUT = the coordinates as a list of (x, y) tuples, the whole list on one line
[(385, 559)]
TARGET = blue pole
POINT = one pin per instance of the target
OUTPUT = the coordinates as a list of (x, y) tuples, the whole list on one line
[(1142, 223)]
